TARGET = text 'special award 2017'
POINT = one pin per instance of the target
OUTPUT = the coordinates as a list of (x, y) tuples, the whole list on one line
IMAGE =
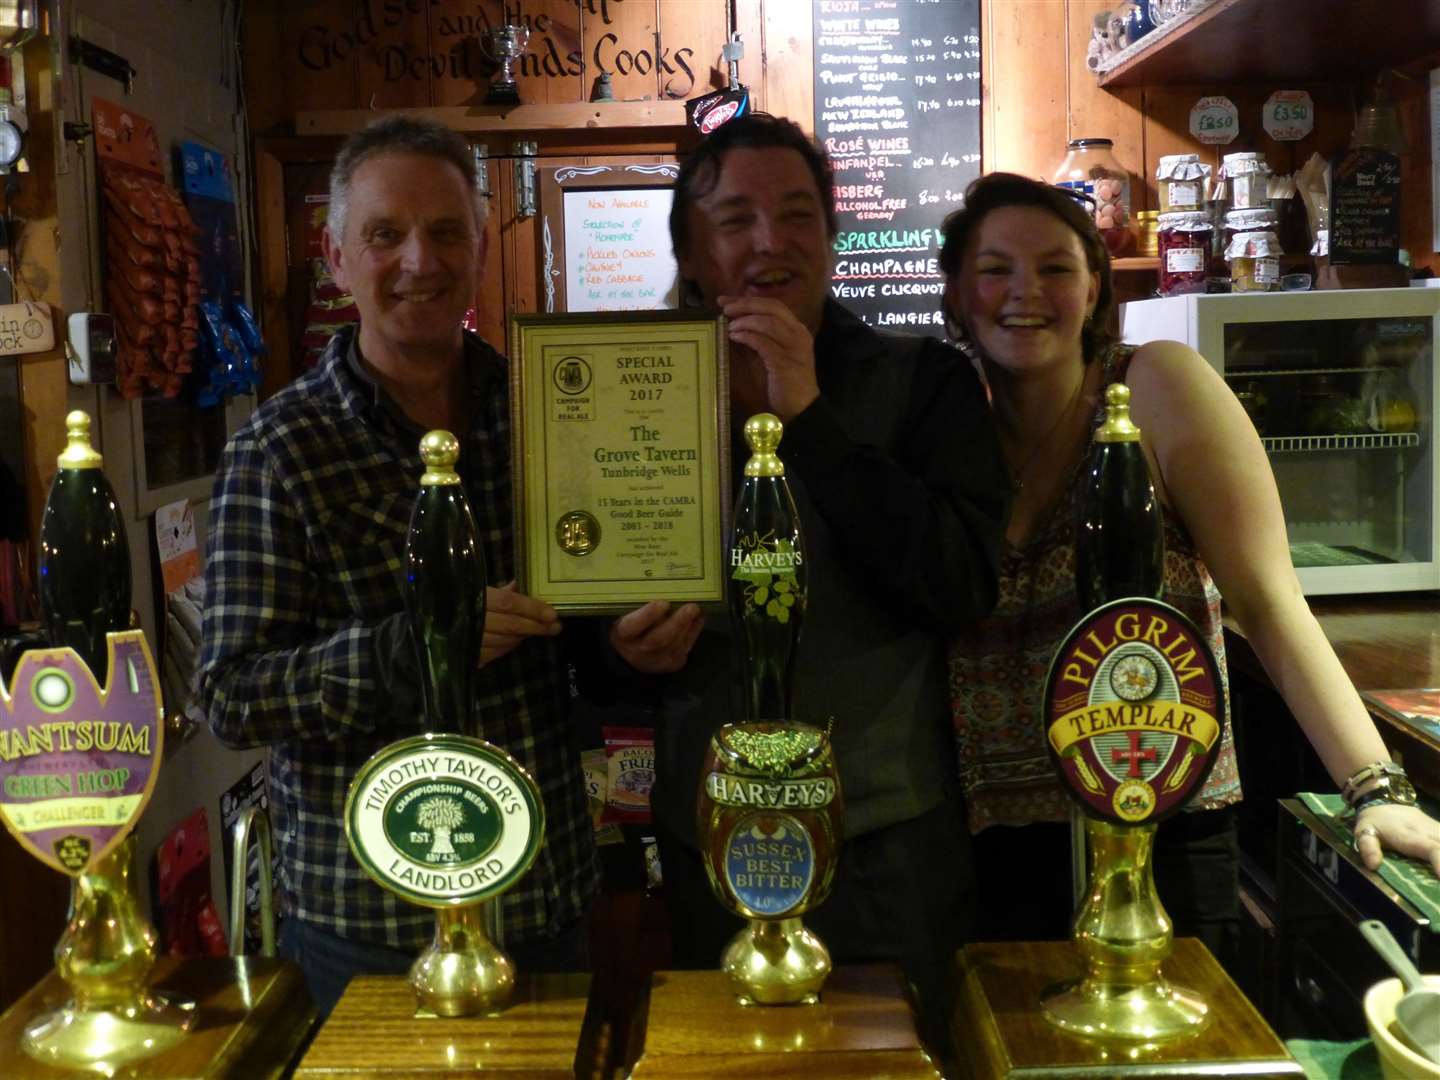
[(620, 429)]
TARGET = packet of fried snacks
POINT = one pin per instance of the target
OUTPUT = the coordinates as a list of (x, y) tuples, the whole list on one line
[(595, 769), (630, 757)]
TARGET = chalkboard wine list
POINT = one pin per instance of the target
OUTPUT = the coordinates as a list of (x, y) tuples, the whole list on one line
[(1120, 535), (84, 556)]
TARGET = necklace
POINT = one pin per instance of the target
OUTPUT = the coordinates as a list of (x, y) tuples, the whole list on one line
[(1017, 473)]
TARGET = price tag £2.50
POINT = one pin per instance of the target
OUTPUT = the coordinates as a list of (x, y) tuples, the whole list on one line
[(1289, 115), (1215, 120)]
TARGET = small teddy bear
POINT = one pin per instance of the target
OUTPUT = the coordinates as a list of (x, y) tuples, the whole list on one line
[(1100, 48), (1109, 33)]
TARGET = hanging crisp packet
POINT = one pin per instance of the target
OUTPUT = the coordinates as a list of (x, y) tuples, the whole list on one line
[(243, 319), (630, 757)]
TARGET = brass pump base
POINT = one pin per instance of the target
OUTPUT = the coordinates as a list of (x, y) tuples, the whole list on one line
[(462, 972), (1123, 936), (1150, 1012), (107, 1039), (105, 956), (776, 962)]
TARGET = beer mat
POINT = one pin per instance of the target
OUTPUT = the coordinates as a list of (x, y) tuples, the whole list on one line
[(1310, 553), (1323, 1060), (1411, 878)]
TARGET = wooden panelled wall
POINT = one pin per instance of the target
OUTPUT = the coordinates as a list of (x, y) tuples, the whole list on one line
[(1038, 93), (380, 54)]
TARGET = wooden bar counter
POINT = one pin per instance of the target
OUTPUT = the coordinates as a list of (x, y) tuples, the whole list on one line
[(1001, 1033), (253, 1015), (1385, 642), (548, 1030), (861, 1029)]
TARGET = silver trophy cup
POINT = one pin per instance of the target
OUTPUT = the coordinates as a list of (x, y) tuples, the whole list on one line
[(505, 45)]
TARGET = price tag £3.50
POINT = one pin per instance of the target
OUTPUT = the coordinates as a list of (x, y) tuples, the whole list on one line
[(1215, 120), (1289, 115)]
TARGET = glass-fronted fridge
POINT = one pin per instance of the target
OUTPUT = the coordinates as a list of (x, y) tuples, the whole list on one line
[(1342, 390)]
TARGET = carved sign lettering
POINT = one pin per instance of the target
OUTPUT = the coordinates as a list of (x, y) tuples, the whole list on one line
[(448, 43)]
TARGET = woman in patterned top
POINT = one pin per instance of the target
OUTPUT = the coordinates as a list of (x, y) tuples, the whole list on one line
[(1029, 297)]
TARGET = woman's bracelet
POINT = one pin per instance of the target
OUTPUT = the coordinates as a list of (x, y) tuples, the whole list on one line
[(1391, 788), (1377, 770)]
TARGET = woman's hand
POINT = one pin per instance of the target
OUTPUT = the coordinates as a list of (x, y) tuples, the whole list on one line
[(1404, 830)]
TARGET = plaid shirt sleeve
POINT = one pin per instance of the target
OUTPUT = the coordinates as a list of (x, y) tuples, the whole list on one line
[(265, 674)]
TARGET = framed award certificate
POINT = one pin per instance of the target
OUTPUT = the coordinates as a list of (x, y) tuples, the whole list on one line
[(621, 427)]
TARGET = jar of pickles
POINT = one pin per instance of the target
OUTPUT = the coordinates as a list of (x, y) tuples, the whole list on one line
[(1249, 178), (1181, 179), (1184, 248), (1254, 259), (1241, 221), (1236, 222)]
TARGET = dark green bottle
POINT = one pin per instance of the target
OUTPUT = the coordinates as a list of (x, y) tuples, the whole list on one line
[(1120, 534), (84, 558), (445, 588), (767, 574)]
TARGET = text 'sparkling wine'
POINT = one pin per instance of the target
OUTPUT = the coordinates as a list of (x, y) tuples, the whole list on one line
[(445, 587), (84, 557), (767, 573), (1120, 534)]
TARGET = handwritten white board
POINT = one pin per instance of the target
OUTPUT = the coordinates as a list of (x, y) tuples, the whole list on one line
[(617, 250)]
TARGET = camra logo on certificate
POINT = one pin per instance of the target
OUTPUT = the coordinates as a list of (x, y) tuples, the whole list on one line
[(1134, 707), (444, 819), (572, 401)]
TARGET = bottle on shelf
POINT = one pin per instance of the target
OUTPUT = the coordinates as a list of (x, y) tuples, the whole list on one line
[(1120, 534), (767, 574), (84, 557), (445, 588)]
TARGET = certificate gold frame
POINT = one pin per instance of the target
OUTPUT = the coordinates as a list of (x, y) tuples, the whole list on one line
[(620, 424)]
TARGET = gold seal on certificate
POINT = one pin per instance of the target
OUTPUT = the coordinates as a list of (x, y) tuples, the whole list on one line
[(621, 456)]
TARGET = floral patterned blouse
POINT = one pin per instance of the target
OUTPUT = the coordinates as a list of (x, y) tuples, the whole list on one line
[(998, 665)]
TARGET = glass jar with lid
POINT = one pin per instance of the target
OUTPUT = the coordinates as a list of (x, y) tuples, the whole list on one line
[(1254, 259), (1243, 221), (1184, 251), (1181, 179), (1090, 167), (1249, 178)]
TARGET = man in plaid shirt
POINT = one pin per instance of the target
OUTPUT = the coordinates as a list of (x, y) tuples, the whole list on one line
[(307, 648)]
